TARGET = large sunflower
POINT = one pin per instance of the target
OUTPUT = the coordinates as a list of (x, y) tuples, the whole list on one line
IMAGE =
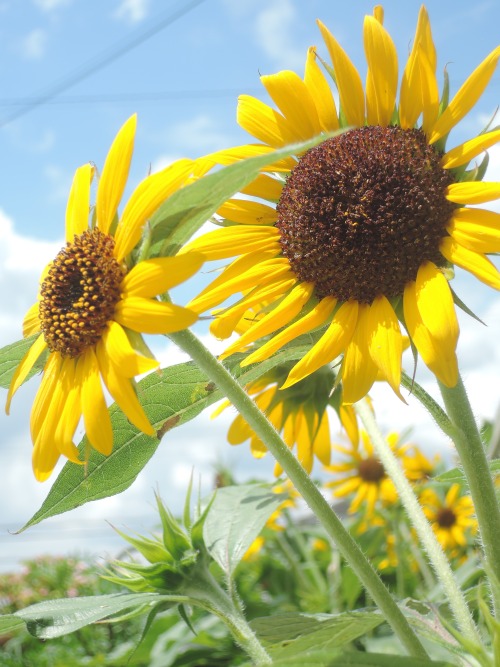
[(93, 305), (360, 233)]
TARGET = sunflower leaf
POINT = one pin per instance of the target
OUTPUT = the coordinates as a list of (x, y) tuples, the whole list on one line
[(10, 357), (457, 475)]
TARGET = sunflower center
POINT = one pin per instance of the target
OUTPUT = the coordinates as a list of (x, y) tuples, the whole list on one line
[(446, 517), (80, 292), (361, 212), (371, 470)]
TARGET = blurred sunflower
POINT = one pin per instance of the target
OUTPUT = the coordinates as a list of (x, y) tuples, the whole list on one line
[(451, 516), (93, 305), (359, 233)]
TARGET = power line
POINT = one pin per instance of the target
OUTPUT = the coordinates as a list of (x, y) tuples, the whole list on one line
[(90, 67)]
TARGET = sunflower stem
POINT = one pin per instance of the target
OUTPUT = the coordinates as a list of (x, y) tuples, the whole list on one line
[(433, 408), (424, 530), (347, 546), (472, 453)]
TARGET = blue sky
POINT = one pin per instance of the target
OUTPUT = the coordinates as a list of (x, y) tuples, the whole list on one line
[(183, 82)]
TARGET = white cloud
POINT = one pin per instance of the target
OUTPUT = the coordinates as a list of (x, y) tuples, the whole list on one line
[(132, 11), (34, 44), (51, 5), (273, 29)]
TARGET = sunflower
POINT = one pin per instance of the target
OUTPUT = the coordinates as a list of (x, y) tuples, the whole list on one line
[(452, 517), (361, 474), (358, 235), (93, 305)]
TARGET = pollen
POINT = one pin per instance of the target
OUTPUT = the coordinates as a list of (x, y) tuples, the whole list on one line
[(362, 211), (79, 295)]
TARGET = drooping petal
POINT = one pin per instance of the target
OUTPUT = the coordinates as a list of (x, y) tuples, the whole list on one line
[(278, 317), (476, 263), (321, 93), (123, 355), (472, 192), (385, 341), (31, 322), (114, 174), (359, 371), (437, 353), (264, 123), (153, 317), (78, 207), (44, 394), (123, 392), (350, 87), (230, 241), (71, 412), (238, 431), (322, 447), (25, 366), (156, 276), (144, 201), (313, 319), (293, 99), (465, 152), (95, 411), (435, 304), (329, 346), (248, 212), (476, 228), (382, 76), (466, 97)]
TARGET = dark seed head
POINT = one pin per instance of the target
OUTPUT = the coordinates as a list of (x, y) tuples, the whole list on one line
[(362, 211), (371, 470), (446, 517), (79, 294)]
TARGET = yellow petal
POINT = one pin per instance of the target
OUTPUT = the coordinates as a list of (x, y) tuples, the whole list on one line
[(472, 192), (293, 99), (231, 155), (349, 421), (44, 394), (144, 201), (265, 187), (321, 93), (114, 174), (466, 97), (322, 447), (329, 346), (25, 366), (385, 341), (437, 353), (435, 304), (230, 241), (248, 212), (350, 87), (123, 392), (477, 264), (71, 410), (78, 207), (123, 355), (359, 371), (238, 431), (31, 322), (313, 319), (477, 229), (470, 149), (278, 317), (156, 276), (382, 76), (264, 123), (153, 317), (95, 411)]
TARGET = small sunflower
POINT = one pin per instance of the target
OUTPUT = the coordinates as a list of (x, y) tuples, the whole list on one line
[(452, 517), (93, 305), (362, 475), (360, 233)]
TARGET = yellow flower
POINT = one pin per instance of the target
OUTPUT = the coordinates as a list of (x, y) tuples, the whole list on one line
[(362, 474), (93, 305), (358, 234), (300, 413), (452, 517), (418, 468)]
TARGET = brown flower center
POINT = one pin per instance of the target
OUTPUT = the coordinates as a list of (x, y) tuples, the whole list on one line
[(371, 470), (446, 517), (362, 211), (80, 292)]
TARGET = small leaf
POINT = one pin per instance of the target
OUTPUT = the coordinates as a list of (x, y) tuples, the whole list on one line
[(235, 519), (9, 624), (319, 658), (457, 474)]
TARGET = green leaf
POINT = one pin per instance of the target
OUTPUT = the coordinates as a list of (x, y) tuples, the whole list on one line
[(9, 624), (187, 209), (321, 658), (54, 618), (294, 634), (457, 474), (236, 517), (10, 357)]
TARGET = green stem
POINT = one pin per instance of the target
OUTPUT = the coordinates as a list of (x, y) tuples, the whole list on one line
[(472, 455), (433, 408), (416, 515), (350, 550)]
